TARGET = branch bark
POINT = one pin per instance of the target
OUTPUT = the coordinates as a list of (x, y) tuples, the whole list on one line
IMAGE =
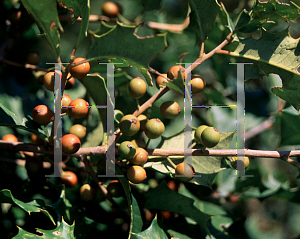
[(101, 150)]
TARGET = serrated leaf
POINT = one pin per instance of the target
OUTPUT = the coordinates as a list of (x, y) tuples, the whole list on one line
[(205, 166), (127, 49), (80, 8), (153, 231), (203, 16), (46, 17), (33, 206), (10, 119), (250, 21), (63, 230), (275, 53), (164, 199)]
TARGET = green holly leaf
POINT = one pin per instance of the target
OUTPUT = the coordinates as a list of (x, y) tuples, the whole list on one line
[(63, 230), (289, 127), (154, 230), (80, 8), (164, 199), (46, 17), (10, 119), (33, 206), (274, 53), (127, 50), (250, 21), (203, 16)]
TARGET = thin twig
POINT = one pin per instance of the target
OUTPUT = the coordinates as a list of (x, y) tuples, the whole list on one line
[(267, 124), (26, 66), (101, 150), (171, 162), (176, 28), (203, 58), (90, 170)]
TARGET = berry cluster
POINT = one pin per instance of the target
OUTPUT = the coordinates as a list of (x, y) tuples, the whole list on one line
[(77, 108)]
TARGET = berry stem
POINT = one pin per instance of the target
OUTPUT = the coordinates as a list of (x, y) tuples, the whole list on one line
[(147, 144), (192, 145), (171, 162), (138, 104)]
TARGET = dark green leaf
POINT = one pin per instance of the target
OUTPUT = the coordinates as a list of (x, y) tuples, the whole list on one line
[(136, 222), (250, 21), (154, 231), (80, 8), (203, 16), (275, 53), (33, 206), (127, 49), (46, 17), (63, 230), (164, 199), (8, 118)]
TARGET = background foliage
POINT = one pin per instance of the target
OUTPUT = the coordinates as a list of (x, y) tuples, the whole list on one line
[(215, 205)]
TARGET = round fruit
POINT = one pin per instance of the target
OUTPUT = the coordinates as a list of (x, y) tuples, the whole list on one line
[(70, 83), (143, 120), (186, 170), (210, 137), (70, 143), (136, 174), (138, 143), (36, 139), (48, 81), (110, 9), (129, 125), (173, 72), (69, 178), (80, 71), (140, 157), (198, 84), (78, 108), (78, 130), (236, 162), (172, 185), (154, 128), (137, 88), (87, 193), (33, 58), (161, 81), (65, 101), (198, 133), (170, 109), (115, 189), (10, 138), (126, 150), (42, 114), (166, 214), (118, 115)]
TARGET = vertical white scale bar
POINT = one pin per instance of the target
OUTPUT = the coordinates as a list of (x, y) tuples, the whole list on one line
[(110, 128), (188, 136), (57, 135), (240, 114)]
